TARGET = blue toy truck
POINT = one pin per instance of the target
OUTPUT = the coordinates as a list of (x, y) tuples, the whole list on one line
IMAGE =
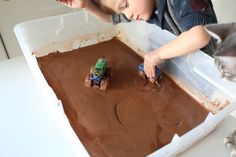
[(99, 75), (152, 80)]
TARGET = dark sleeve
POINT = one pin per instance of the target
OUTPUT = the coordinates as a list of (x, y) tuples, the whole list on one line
[(191, 13), (118, 18)]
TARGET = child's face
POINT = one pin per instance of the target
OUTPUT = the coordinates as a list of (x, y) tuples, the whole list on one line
[(133, 9)]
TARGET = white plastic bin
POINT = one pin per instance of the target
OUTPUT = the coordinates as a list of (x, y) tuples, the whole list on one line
[(195, 73)]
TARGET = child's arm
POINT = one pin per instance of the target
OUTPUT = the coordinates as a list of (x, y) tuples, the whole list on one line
[(98, 13), (188, 41), (90, 6)]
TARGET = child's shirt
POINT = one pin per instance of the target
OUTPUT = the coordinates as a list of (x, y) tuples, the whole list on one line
[(186, 14), (178, 16)]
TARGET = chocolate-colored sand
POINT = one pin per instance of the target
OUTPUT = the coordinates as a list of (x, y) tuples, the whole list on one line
[(131, 118)]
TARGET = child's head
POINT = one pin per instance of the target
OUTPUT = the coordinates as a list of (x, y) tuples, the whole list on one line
[(133, 9)]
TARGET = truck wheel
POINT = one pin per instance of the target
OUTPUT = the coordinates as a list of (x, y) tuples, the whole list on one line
[(88, 81), (141, 73), (104, 83)]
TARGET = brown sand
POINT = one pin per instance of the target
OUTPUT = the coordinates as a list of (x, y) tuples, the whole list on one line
[(130, 118)]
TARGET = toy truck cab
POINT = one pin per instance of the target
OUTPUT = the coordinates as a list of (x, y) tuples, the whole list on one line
[(99, 75), (98, 72)]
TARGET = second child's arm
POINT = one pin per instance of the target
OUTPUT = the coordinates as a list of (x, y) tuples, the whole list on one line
[(90, 7), (187, 42), (98, 13)]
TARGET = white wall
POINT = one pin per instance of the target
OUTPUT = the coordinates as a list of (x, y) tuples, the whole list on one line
[(13, 12), (225, 10)]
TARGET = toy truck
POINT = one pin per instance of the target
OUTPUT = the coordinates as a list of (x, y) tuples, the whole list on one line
[(99, 75), (152, 80)]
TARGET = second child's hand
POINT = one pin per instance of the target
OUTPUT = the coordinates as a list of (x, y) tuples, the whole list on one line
[(151, 59), (75, 3), (89, 6)]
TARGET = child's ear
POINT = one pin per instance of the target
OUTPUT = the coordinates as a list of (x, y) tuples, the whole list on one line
[(219, 31)]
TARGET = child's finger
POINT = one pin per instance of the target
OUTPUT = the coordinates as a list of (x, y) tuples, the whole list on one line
[(63, 1), (67, 2), (147, 69), (70, 2), (151, 72)]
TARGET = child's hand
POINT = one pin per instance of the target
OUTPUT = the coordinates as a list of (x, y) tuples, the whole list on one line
[(150, 61), (90, 7), (75, 3)]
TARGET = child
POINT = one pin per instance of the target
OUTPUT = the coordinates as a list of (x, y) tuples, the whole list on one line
[(185, 18)]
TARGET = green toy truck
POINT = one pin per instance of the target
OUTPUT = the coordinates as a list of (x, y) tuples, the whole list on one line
[(99, 75)]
